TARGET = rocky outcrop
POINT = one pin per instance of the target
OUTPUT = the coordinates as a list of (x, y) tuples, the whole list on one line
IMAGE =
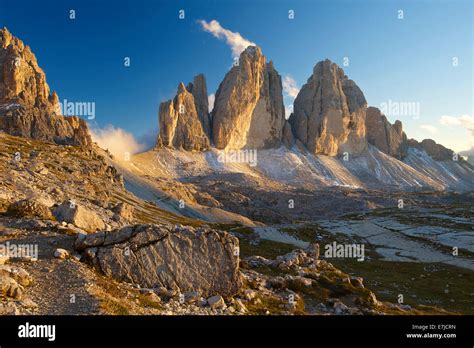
[(180, 123), (13, 280), (388, 138), (79, 216), (198, 88), (181, 258), (436, 151), (248, 109), (123, 212), (329, 113), (30, 208), (27, 108)]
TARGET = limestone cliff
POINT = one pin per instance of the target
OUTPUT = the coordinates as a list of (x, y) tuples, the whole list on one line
[(329, 113), (388, 138), (27, 108), (180, 124), (248, 110)]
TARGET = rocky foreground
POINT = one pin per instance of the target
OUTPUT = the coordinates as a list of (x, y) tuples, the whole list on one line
[(98, 255)]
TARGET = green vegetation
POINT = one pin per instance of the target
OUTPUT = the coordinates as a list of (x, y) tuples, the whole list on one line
[(146, 301), (113, 307), (265, 248), (420, 284)]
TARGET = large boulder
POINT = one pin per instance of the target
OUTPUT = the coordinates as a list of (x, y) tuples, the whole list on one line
[(329, 113), (79, 216), (388, 138), (27, 108), (180, 124), (153, 256), (248, 109)]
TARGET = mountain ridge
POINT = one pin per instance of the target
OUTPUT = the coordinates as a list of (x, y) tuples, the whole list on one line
[(331, 118)]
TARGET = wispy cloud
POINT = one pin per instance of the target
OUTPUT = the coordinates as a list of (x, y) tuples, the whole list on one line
[(464, 121), (429, 128), (236, 42), (120, 143), (290, 86)]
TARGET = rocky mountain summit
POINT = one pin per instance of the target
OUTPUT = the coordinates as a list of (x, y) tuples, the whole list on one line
[(198, 88), (329, 113), (331, 116), (27, 108), (182, 120), (248, 110)]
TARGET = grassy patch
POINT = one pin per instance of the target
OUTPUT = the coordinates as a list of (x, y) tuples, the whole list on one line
[(146, 301), (420, 284), (113, 307), (265, 248)]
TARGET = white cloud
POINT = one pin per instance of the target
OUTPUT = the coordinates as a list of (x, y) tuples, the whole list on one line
[(290, 87), (464, 121), (460, 123), (210, 99), (429, 128), (236, 42), (119, 142)]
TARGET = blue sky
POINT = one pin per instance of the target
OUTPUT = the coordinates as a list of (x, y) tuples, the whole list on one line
[(407, 60)]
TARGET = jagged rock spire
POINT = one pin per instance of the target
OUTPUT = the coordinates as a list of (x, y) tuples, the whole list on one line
[(180, 124), (248, 109), (198, 88)]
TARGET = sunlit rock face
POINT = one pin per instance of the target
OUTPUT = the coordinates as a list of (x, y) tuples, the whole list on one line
[(248, 110), (388, 138), (198, 88), (329, 113), (180, 124), (27, 108)]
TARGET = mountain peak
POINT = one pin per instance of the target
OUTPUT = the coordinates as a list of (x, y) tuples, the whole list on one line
[(252, 50), (248, 109), (184, 121), (251, 53), (181, 88), (5, 32), (329, 112), (26, 106)]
